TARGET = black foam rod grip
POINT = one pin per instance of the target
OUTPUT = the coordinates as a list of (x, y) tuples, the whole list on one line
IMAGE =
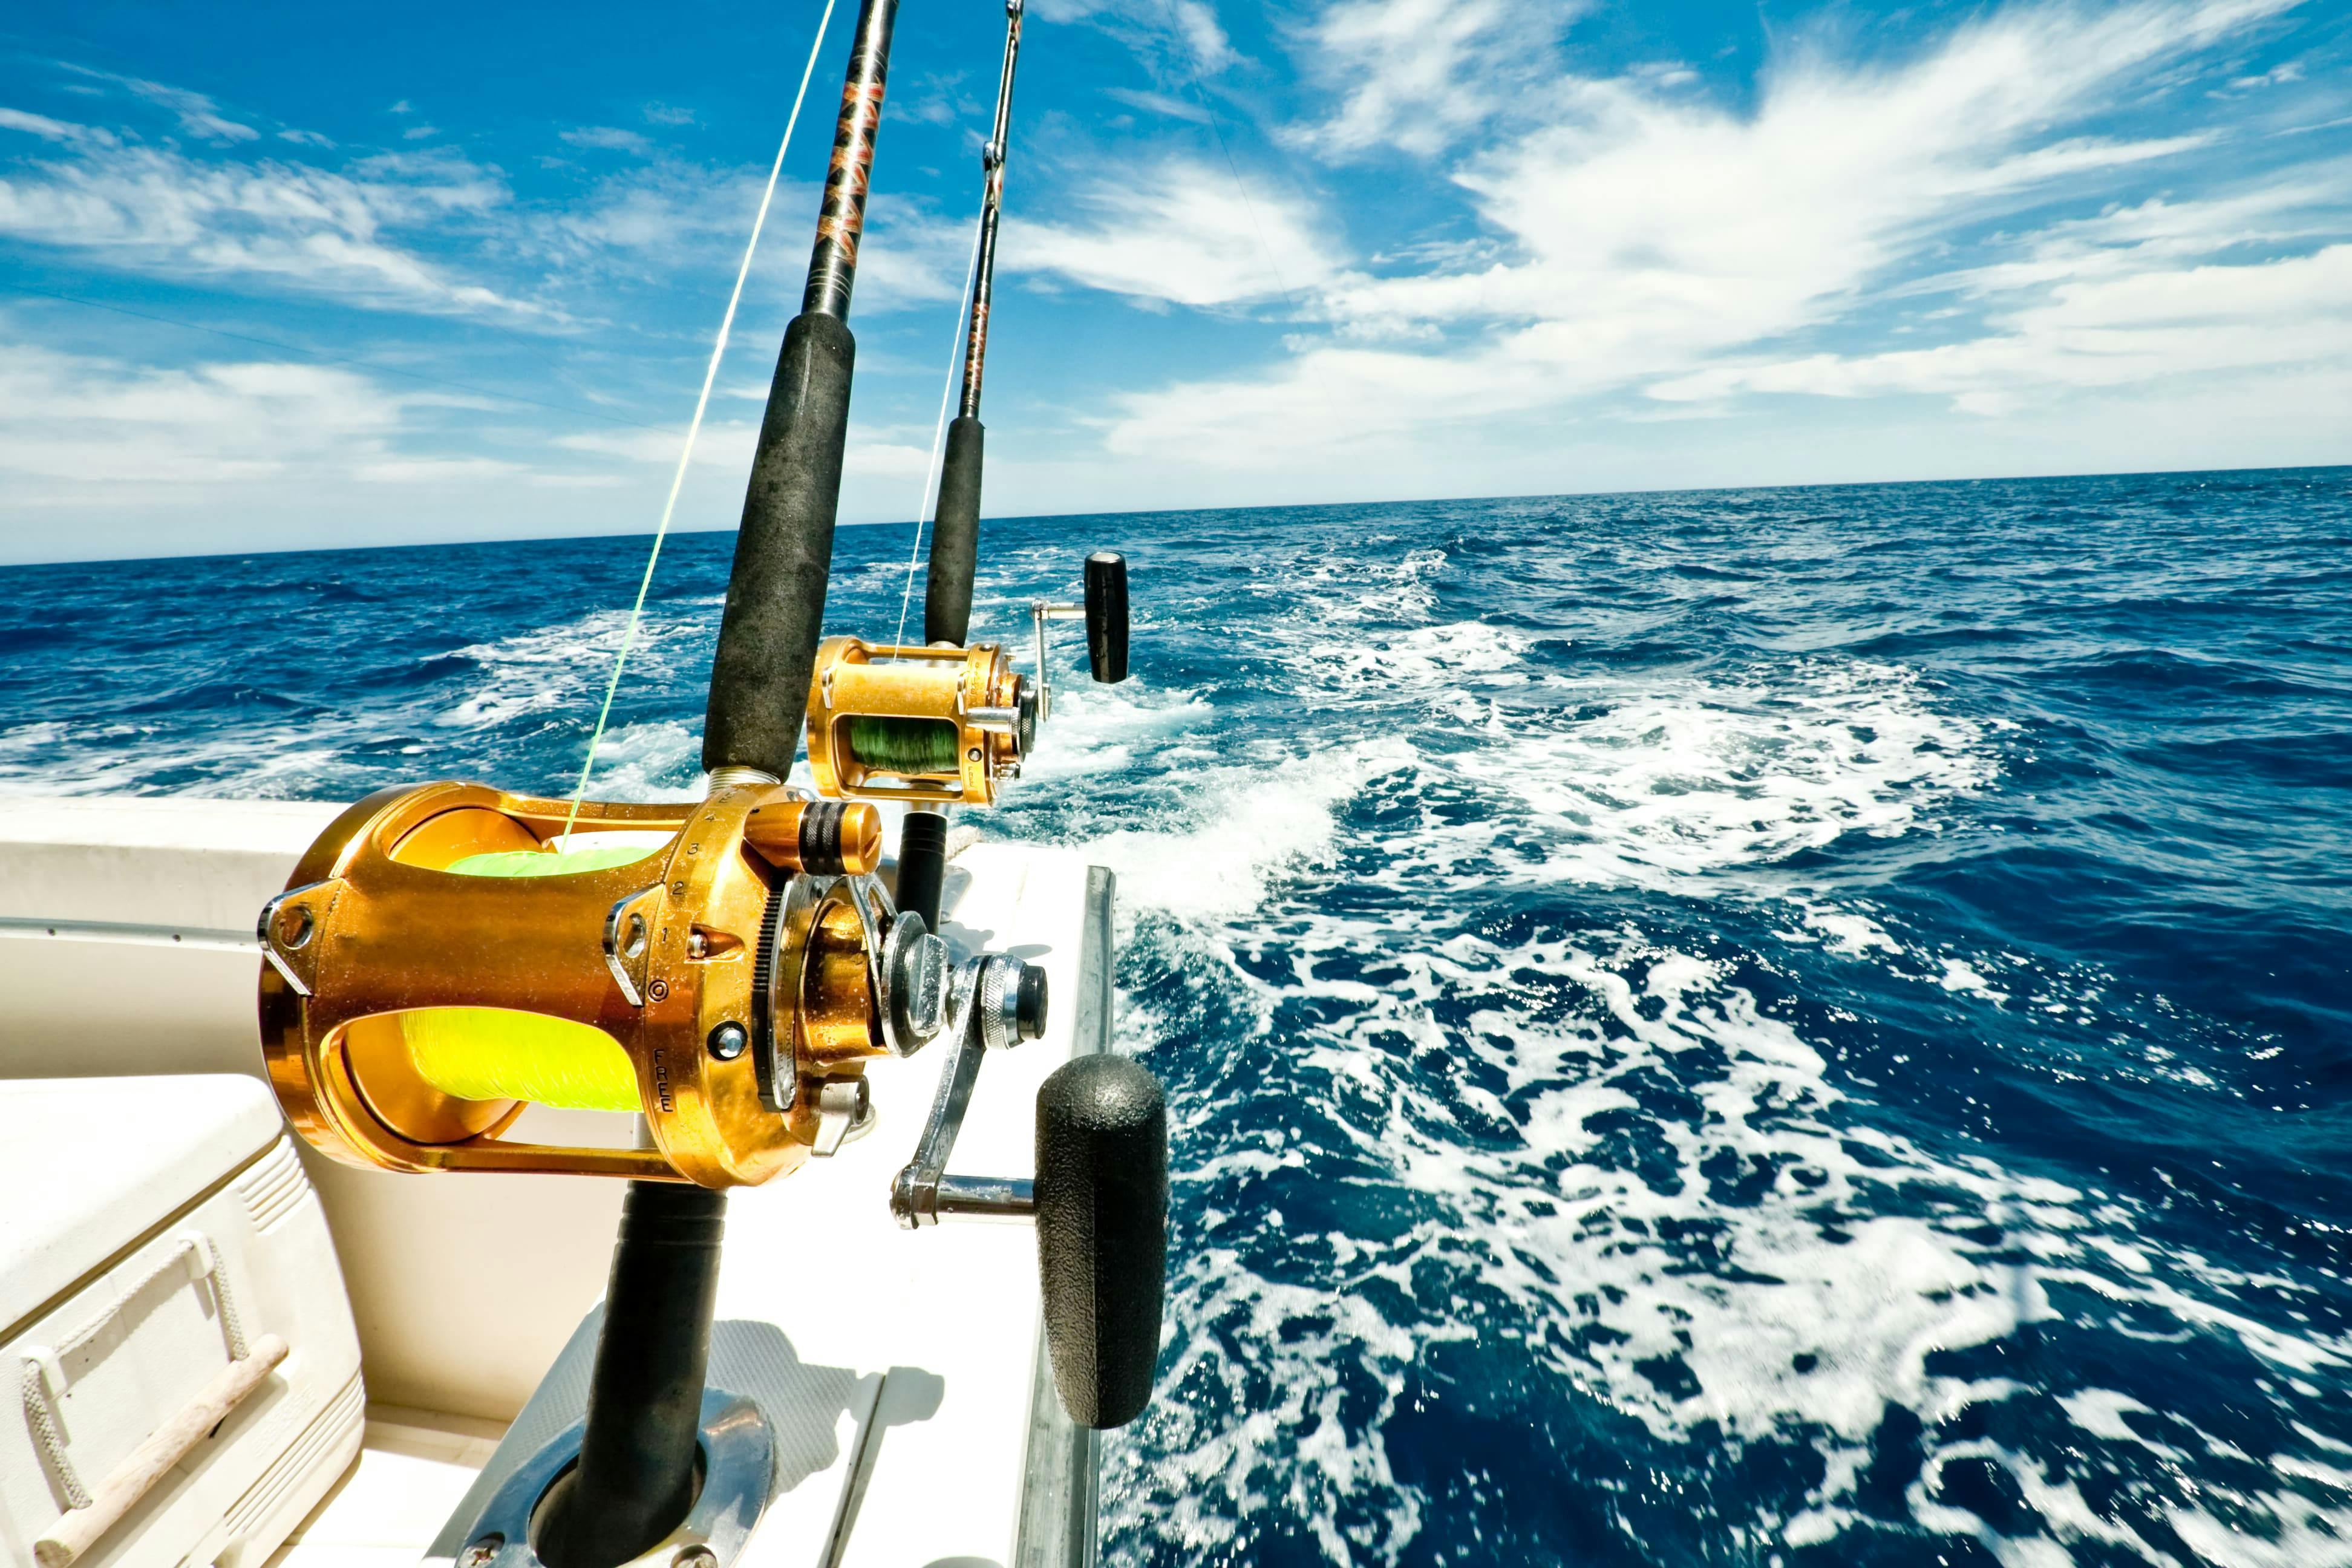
[(955, 538), (1107, 615), (1102, 1233), (784, 555)]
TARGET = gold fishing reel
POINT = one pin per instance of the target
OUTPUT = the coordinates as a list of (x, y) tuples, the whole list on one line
[(446, 955), (947, 724), (908, 724)]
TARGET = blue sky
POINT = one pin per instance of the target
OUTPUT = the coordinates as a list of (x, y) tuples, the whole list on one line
[(277, 276)]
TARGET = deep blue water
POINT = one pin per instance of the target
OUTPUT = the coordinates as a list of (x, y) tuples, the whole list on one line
[(1789, 1027)]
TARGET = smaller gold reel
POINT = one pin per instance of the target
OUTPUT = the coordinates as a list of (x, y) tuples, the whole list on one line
[(434, 965), (917, 723)]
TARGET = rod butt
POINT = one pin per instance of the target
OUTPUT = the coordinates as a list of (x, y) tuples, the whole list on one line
[(637, 1471)]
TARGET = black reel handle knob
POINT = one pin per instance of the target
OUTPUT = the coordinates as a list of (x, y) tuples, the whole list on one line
[(1106, 615), (1102, 1233)]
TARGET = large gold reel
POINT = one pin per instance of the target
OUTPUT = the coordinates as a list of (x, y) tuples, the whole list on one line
[(435, 964)]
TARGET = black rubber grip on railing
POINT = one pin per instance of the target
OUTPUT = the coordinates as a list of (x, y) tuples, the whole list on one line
[(1107, 615), (1102, 1233)]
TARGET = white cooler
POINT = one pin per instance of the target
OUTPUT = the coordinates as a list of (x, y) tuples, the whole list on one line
[(173, 1321)]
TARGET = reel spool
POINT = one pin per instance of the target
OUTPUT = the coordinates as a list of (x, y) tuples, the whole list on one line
[(917, 723), (726, 968)]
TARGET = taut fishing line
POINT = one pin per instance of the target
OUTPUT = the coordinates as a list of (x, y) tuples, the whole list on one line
[(701, 404)]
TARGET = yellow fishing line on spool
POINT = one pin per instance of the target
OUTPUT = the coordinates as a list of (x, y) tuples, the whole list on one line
[(491, 1053), (495, 1053)]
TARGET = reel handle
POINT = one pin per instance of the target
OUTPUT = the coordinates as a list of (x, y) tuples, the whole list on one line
[(1102, 1231), (1106, 615)]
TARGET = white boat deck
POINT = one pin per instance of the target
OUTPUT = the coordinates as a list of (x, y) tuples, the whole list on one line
[(414, 1469)]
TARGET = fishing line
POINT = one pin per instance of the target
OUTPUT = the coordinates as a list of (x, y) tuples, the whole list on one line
[(940, 430), (678, 480)]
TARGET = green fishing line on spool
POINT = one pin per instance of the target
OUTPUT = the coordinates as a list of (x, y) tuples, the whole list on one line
[(494, 1053), (903, 746)]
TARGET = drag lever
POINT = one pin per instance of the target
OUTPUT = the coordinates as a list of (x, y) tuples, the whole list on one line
[(999, 1002)]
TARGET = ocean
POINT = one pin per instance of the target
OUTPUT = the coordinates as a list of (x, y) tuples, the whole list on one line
[(1792, 1026)]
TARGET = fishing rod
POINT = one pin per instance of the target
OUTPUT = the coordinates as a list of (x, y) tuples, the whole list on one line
[(955, 532), (447, 954), (955, 526)]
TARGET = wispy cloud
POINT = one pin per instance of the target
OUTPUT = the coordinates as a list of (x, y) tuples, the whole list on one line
[(1160, 103), (2135, 296), (77, 426), (197, 114), (666, 216), (1179, 38), (1644, 237), (270, 222), (1417, 75), (607, 138), (1179, 233), (49, 130)]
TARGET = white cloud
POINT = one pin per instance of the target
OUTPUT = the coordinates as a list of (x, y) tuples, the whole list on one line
[(161, 212), (50, 130), (74, 426), (1176, 37), (656, 218), (1196, 23), (608, 138), (196, 114), (2098, 330), (1418, 74), (899, 452), (1644, 235), (101, 455), (722, 443), (1179, 233), (1160, 103)]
